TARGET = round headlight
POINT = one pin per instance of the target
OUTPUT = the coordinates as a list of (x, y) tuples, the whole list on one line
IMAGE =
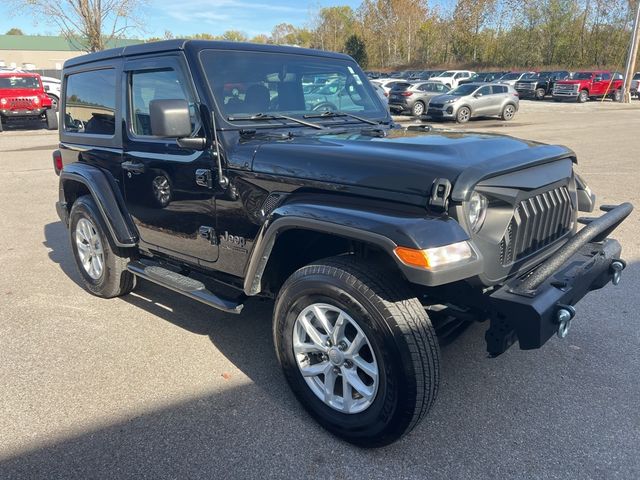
[(477, 210), (3, 101)]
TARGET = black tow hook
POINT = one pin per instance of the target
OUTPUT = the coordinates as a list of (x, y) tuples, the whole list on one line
[(617, 266), (564, 315)]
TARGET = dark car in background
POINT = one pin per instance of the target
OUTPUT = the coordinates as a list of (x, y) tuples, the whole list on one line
[(483, 77), (414, 97), (541, 84), (425, 74)]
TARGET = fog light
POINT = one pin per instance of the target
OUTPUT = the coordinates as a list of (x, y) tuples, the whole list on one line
[(435, 257)]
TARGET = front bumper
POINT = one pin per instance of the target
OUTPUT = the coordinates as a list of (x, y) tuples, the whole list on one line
[(565, 94), (531, 308), (447, 112), (22, 113)]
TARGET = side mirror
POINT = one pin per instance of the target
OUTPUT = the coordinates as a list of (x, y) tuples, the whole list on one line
[(170, 118), (478, 95)]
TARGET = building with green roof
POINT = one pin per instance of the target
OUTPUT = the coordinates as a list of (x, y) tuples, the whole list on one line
[(43, 52)]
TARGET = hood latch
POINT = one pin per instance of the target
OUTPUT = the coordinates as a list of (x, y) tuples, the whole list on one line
[(440, 191)]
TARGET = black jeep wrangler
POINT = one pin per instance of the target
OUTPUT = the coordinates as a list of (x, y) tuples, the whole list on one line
[(540, 85), (196, 164)]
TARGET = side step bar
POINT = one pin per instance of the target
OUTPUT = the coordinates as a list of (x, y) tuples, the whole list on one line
[(182, 284)]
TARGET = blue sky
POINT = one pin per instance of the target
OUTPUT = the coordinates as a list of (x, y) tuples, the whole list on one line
[(184, 17)]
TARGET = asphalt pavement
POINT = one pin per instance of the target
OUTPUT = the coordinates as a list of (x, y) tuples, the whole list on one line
[(154, 385)]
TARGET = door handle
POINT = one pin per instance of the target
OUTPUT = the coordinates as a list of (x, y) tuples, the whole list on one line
[(133, 167)]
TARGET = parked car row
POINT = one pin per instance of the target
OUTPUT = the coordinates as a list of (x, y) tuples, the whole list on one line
[(418, 97)]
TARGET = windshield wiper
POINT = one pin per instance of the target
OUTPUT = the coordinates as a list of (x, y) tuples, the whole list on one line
[(333, 114), (265, 116)]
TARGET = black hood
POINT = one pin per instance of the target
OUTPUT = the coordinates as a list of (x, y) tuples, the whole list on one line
[(404, 161)]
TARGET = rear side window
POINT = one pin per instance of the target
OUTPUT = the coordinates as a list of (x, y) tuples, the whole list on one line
[(499, 88), (164, 84), (90, 102)]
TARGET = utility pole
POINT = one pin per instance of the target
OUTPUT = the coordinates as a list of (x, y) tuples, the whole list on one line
[(631, 58)]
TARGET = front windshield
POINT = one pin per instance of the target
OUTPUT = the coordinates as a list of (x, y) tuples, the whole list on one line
[(248, 83), (447, 74), (19, 82), (530, 76), (582, 76), (511, 76), (463, 90), (636, 76)]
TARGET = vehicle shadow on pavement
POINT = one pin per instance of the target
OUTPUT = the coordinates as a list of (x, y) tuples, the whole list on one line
[(508, 417), (56, 240)]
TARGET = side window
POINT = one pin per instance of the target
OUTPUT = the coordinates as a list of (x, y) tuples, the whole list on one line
[(499, 88), (457, 76), (606, 76), (486, 90), (90, 102), (147, 85), (441, 87)]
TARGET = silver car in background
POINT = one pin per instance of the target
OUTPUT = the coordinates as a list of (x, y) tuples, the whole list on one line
[(475, 100)]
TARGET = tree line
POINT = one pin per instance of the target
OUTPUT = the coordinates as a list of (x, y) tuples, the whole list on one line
[(471, 33)]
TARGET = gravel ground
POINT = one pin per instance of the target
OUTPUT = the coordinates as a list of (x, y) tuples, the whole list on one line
[(153, 385)]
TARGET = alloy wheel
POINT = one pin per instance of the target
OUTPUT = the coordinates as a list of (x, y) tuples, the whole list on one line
[(161, 190), (335, 358), (89, 248)]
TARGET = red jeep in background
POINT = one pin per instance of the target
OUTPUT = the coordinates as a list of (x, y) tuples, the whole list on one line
[(22, 96), (586, 85)]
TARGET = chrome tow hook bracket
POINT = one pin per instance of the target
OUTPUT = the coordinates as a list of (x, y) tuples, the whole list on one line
[(563, 317), (617, 266)]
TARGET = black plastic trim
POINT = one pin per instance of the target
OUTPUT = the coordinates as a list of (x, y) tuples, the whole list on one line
[(108, 199)]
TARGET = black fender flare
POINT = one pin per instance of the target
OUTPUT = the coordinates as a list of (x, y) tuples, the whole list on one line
[(104, 190), (368, 222)]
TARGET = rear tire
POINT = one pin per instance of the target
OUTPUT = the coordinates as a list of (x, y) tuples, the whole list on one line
[(617, 95), (399, 346), (101, 264), (508, 112), (52, 119), (418, 109)]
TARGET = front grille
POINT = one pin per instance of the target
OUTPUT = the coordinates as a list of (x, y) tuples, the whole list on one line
[(20, 103), (525, 86), (565, 88), (537, 222)]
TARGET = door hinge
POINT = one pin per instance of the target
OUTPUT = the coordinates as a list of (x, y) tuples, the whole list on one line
[(204, 177), (208, 233)]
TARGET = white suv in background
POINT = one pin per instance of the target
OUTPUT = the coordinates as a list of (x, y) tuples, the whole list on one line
[(451, 78)]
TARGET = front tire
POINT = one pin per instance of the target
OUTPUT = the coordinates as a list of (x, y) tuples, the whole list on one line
[(357, 349), (102, 265), (52, 119), (463, 115), (540, 93), (583, 96)]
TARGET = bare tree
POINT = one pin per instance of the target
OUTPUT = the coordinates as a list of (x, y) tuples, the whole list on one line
[(88, 24)]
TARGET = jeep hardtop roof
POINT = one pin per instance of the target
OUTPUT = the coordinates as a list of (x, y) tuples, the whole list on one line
[(180, 44)]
